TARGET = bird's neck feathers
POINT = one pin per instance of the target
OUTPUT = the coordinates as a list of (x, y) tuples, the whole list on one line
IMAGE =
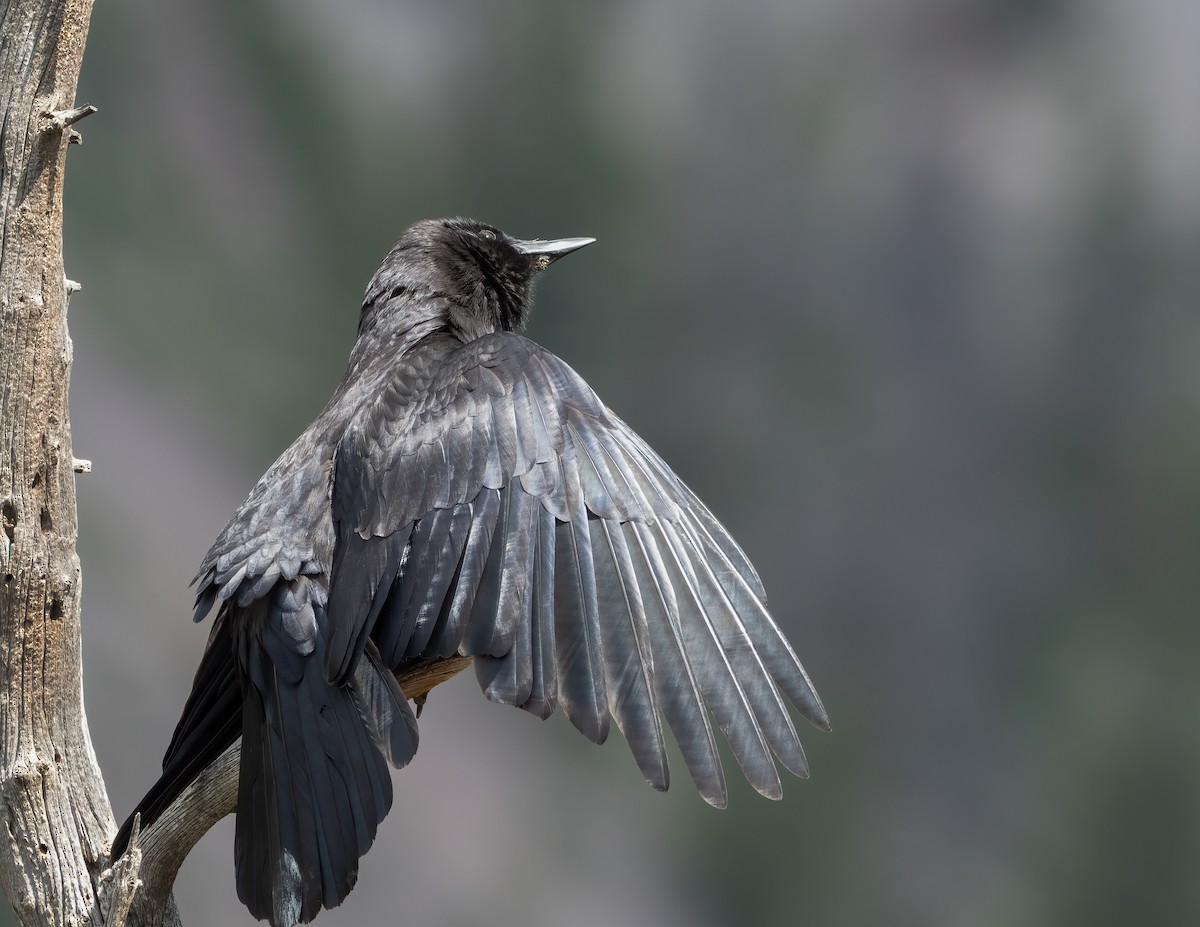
[(392, 325), (403, 309)]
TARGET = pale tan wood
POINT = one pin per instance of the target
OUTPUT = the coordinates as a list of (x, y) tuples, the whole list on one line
[(52, 798)]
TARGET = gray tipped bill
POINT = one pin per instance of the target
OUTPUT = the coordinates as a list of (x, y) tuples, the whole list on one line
[(551, 249)]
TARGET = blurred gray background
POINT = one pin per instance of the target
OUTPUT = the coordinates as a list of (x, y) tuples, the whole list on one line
[(906, 290)]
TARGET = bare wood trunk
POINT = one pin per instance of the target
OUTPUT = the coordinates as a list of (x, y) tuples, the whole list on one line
[(53, 802)]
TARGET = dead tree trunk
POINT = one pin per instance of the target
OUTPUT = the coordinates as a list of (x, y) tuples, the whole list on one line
[(53, 802)]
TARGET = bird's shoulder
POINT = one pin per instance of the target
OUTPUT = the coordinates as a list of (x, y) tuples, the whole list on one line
[(456, 417), (442, 373)]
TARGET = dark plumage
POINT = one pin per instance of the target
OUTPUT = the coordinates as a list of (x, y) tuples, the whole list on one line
[(463, 492)]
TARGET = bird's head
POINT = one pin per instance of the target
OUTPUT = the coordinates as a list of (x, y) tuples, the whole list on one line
[(478, 277)]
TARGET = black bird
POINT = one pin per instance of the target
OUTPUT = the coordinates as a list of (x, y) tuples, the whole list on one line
[(464, 492)]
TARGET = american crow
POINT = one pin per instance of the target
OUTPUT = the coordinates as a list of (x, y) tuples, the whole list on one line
[(464, 492)]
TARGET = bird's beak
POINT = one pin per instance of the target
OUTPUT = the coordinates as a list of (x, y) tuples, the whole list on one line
[(551, 251)]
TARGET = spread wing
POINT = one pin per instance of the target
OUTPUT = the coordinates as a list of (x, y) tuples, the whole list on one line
[(486, 503)]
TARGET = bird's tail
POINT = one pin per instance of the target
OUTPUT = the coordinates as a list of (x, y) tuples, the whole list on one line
[(314, 779)]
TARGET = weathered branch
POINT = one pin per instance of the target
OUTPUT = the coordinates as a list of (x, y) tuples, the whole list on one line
[(120, 884), (61, 119)]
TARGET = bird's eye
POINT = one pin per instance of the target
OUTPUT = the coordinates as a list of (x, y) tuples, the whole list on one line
[(487, 234)]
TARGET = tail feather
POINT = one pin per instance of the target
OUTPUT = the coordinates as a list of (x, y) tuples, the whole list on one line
[(315, 781)]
